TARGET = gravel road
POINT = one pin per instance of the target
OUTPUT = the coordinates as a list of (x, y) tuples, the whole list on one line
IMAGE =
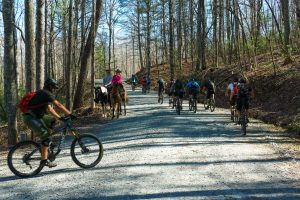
[(153, 153)]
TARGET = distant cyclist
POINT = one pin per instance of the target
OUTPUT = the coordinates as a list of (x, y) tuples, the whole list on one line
[(161, 85), (244, 92), (193, 88), (208, 87), (170, 90), (134, 79), (179, 90), (231, 91)]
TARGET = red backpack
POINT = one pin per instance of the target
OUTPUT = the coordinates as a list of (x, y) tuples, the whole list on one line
[(23, 105), (235, 89)]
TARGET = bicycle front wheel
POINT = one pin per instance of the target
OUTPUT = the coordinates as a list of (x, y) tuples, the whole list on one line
[(87, 151), (24, 159)]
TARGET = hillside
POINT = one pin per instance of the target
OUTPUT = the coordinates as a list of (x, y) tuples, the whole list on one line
[(277, 98)]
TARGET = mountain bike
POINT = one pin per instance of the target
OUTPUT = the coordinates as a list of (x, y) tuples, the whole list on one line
[(178, 105), (233, 114), (24, 159), (243, 120), (210, 103), (133, 84), (161, 97), (193, 103)]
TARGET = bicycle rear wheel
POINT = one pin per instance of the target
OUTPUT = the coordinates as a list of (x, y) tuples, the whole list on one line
[(195, 105), (87, 151), (24, 159), (178, 106), (212, 105), (190, 104), (243, 121)]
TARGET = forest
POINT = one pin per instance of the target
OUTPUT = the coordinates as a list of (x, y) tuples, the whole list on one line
[(75, 41)]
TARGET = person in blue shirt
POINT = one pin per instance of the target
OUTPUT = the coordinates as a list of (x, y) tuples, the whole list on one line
[(193, 88)]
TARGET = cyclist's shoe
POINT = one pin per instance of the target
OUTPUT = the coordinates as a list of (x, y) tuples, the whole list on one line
[(48, 163)]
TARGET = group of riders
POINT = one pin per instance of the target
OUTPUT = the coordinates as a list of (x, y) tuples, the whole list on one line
[(38, 106), (238, 90)]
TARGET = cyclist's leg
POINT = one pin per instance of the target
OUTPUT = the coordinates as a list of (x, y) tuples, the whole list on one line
[(239, 105), (246, 103), (40, 129)]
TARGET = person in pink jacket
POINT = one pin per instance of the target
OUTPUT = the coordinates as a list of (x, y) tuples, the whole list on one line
[(117, 78), (118, 81)]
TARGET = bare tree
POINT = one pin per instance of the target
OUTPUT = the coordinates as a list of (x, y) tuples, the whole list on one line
[(39, 44), (10, 87), (29, 46), (171, 39), (68, 73), (78, 99)]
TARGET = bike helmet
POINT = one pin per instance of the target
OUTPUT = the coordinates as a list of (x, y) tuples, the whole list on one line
[(50, 82), (118, 70)]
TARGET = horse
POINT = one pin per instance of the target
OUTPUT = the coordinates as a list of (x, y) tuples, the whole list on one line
[(117, 99), (102, 96)]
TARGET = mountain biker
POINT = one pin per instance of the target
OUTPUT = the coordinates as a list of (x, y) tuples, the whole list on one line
[(231, 91), (161, 86), (39, 122), (193, 88), (148, 82), (209, 87), (178, 90), (134, 79), (244, 92)]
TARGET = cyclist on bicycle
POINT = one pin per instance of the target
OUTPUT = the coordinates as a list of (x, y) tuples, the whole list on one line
[(39, 122), (161, 86), (208, 87), (244, 91), (232, 93), (193, 88), (134, 79), (178, 91)]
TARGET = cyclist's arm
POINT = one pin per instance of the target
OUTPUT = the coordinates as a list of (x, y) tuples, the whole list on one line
[(52, 112), (61, 107)]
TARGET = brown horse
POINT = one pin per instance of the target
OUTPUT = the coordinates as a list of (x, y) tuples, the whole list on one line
[(118, 97)]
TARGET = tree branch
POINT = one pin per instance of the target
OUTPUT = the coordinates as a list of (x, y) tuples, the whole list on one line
[(17, 27)]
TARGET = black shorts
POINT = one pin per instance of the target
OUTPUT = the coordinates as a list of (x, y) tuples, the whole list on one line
[(233, 100), (179, 93), (242, 101), (209, 94)]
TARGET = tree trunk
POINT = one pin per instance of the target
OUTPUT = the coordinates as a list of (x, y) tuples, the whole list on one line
[(287, 28), (46, 75), (215, 35), (78, 99), (10, 87), (68, 72), (139, 33), (29, 46), (179, 33), (148, 60), (191, 20), (171, 40), (93, 27), (40, 44), (201, 35)]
